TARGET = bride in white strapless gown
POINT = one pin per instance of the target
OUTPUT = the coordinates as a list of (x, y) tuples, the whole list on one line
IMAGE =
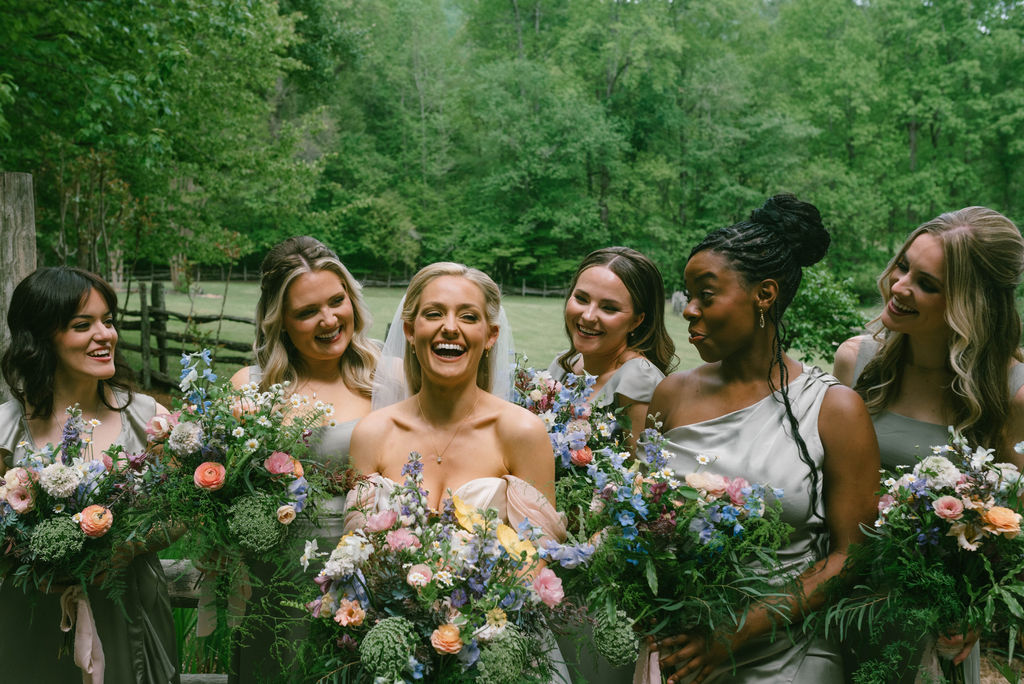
[(440, 391)]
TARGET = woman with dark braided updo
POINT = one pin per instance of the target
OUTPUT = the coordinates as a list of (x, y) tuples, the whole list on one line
[(760, 415)]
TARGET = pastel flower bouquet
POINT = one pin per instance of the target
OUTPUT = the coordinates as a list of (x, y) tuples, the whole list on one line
[(449, 596), (945, 558), (673, 555), (663, 553), (235, 474), (69, 519)]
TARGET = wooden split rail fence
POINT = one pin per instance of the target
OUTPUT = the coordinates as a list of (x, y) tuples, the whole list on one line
[(151, 319)]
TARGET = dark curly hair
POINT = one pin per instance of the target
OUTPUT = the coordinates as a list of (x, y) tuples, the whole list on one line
[(776, 242), (42, 304), (647, 291)]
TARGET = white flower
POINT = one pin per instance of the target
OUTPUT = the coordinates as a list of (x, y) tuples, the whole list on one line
[(264, 421), (59, 481), (549, 419), (238, 431), (58, 508), (980, 457), (489, 632), (252, 444), (94, 422), (1003, 475), (328, 410), (309, 553), (331, 423), (938, 471), (536, 395), (352, 551), (1019, 447), (703, 459), (444, 578), (185, 438), (188, 379), (604, 429)]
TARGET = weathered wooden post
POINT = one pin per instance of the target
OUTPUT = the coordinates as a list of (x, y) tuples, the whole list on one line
[(144, 341), (17, 246), (160, 325)]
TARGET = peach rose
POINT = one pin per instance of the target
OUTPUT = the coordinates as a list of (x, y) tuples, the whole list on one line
[(714, 485), (96, 521), (1001, 520), (581, 457), (446, 639), (279, 463), (209, 476), (297, 469), (349, 613), (242, 407), (286, 514)]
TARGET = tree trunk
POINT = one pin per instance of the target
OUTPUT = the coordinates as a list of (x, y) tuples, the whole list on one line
[(17, 245)]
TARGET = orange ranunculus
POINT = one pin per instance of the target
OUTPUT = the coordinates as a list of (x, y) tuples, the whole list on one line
[(1002, 520), (96, 520), (446, 639), (209, 476)]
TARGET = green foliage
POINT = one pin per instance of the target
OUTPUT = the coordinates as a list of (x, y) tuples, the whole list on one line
[(822, 315)]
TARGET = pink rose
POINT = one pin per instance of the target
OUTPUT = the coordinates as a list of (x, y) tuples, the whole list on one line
[(20, 499), (279, 463), (578, 425), (885, 502), (548, 587), (948, 507), (20, 476), (710, 483), (419, 575), (581, 457), (159, 426), (735, 490), (402, 538), (349, 613), (209, 476), (378, 522)]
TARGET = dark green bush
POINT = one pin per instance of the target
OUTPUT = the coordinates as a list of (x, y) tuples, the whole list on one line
[(822, 315)]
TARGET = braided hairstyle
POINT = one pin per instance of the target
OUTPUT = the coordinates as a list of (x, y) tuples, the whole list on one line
[(776, 242)]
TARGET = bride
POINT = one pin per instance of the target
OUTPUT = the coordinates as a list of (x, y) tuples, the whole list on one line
[(473, 442)]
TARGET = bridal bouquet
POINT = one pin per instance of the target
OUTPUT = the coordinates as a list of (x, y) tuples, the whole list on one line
[(235, 462), (945, 557), (674, 554), (66, 518), (454, 596)]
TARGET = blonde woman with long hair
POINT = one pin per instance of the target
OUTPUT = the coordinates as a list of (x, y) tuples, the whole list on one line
[(945, 349), (311, 332)]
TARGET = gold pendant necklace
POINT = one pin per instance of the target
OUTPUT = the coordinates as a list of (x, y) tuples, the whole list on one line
[(440, 454)]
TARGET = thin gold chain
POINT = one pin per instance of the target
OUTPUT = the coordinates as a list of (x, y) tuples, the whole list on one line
[(440, 454)]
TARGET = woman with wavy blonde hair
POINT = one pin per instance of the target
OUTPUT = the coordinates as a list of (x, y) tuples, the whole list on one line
[(311, 332), (945, 351)]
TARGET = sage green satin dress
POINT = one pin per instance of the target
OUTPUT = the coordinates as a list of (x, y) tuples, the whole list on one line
[(755, 443), (138, 637)]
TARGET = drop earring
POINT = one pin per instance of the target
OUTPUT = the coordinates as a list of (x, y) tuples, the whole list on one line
[(762, 318)]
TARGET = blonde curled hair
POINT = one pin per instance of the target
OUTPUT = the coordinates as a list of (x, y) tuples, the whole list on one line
[(275, 354), (983, 254)]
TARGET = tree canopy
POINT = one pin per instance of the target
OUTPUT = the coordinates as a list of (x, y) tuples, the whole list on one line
[(515, 135)]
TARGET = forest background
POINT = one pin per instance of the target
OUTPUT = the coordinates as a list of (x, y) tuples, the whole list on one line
[(513, 135)]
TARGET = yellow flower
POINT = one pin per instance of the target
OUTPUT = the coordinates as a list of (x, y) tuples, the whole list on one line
[(467, 516), (515, 546), (496, 618)]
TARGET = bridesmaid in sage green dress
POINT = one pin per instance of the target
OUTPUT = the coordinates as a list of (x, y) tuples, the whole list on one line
[(760, 415), (615, 321), (310, 331), (64, 352), (945, 352)]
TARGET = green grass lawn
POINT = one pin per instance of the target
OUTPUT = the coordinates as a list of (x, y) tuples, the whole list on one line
[(537, 323)]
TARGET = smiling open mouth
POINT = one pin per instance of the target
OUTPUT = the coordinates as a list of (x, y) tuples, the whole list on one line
[(901, 309), (328, 337), (449, 350), (100, 354), (587, 332)]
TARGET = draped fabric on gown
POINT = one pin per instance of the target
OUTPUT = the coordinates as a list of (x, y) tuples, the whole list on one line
[(902, 441), (636, 379), (138, 637), (259, 654), (756, 443), (513, 498)]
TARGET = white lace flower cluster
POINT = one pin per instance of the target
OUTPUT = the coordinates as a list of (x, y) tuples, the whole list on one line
[(60, 481), (352, 551)]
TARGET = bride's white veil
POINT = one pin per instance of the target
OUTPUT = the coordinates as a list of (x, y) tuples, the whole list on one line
[(390, 386)]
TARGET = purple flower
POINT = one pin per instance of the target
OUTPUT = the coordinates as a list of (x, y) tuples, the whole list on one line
[(459, 598)]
